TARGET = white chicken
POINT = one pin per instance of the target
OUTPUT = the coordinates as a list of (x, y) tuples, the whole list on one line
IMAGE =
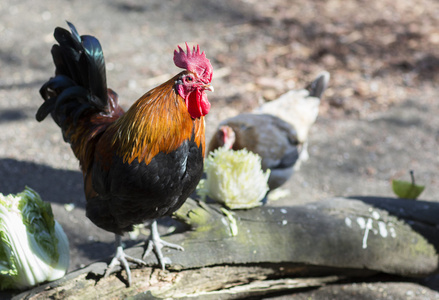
[(300, 109)]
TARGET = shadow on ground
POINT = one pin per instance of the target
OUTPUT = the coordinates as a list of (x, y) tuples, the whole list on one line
[(54, 185)]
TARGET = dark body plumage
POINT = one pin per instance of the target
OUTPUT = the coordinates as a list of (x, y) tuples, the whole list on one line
[(137, 166), (131, 193)]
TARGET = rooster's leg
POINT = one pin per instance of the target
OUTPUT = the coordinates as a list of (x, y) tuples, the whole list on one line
[(156, 243), (120, 258)]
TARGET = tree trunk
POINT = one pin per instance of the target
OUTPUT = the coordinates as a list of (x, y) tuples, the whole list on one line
[(266, 249)]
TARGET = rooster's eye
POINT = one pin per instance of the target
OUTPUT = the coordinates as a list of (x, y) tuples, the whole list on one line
[(189, 78)]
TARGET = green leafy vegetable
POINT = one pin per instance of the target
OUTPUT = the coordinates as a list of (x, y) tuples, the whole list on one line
[(33, 246), (407, 190)]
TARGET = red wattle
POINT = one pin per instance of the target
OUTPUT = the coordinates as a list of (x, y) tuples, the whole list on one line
[(197, 104), (205, 104)]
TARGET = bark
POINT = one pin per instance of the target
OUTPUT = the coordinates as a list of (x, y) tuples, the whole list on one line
[(231, 254)]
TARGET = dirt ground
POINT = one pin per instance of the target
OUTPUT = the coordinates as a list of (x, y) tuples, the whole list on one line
[(378, 119)]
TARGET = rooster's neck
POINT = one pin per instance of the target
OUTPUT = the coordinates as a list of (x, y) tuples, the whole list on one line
[(158, 122)]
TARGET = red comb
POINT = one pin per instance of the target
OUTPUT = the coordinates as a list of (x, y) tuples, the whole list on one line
[(194, 61)]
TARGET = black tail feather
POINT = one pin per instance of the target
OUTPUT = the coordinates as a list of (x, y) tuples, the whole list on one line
[(97, 82), (49, 91), (66, 55), (75, 33), (79, 86), (319, 85), (56, 84)]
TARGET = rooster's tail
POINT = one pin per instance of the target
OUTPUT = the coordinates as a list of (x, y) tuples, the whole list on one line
[(78, 92)]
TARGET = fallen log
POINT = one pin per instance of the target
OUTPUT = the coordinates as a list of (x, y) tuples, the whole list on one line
[(231, 254)]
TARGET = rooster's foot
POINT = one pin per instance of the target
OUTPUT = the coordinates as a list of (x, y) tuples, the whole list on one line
[(122, 259), (156, 243)]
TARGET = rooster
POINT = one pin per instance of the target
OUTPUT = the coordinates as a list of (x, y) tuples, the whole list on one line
[(277, 130), (137, 165)]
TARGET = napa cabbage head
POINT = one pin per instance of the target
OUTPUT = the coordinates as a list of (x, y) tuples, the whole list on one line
[(33, 246), (234, 178)]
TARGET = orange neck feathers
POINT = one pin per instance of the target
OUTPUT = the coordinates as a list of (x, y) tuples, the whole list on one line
[(158, 122)]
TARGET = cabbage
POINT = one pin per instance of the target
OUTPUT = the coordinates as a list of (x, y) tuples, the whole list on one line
[(235, 178), (33, 246)]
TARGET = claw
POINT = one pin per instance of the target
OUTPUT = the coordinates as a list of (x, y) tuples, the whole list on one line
[(122, 259), (156, 243)]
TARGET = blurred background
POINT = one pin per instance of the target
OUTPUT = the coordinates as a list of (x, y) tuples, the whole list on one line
[(378, 119)]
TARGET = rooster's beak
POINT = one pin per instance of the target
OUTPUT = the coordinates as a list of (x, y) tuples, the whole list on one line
[(208, 87)]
